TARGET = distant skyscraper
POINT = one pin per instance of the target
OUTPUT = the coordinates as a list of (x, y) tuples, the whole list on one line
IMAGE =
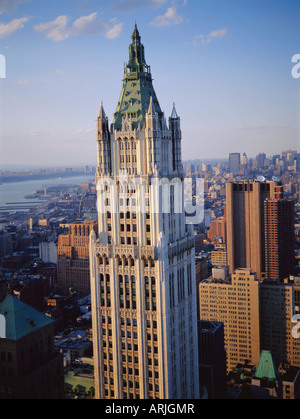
[(234, 163), (276, 312), (217, 230), (73, 259), (235, 302), (245, 223), (6, 246), (48, 252), (260, 229), (261, 157), (219, 255), (279, 238), (143, 283), (257, 315), (244, 159)]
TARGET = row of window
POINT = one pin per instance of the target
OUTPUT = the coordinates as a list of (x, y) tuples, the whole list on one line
[(127, 145)]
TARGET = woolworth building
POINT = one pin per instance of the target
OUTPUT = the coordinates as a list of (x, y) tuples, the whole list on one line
[(143, 286)]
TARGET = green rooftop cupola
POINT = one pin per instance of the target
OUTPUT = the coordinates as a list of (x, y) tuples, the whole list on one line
[(137, 87)]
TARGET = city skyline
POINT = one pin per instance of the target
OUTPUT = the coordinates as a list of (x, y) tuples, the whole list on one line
[(150, 269), (227, 68)]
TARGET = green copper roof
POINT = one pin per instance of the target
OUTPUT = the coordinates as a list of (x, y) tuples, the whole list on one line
[(137, 87), (21, 319), (266, 368)]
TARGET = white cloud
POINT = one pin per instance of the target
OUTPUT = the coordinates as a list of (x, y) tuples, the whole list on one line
[(85, 25), (115, 31), (205, 39), (91, 25), (13, 26), (169, 18), (58, 29), (218, 33), (60, 72)]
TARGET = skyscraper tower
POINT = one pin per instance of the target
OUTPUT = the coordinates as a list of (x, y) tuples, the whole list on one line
[(73, 259), (234, 163), (245, 223), (279, 238), (143, 282)]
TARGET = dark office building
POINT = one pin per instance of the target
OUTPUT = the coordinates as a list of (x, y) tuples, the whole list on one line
[(212, 358)]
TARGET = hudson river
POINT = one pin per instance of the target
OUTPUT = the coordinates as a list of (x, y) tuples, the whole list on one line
[(16, 191)]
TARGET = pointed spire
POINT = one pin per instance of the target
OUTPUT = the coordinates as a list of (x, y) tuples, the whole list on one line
[(174, 113), (101, 112), (102, 121), (135, 35), (151, 110), (137, 60)]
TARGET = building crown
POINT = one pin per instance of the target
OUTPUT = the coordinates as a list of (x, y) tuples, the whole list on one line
[(137, 60), (137, 88)]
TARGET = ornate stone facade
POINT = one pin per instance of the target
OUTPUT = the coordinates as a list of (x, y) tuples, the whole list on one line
[(142, 261)]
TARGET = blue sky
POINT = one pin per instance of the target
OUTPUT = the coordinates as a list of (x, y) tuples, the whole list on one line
[(225, 63)]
